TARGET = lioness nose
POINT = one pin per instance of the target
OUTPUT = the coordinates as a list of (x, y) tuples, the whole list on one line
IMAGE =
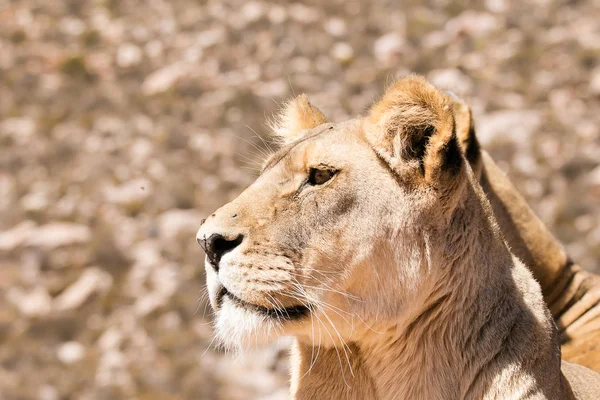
[(216, 246)]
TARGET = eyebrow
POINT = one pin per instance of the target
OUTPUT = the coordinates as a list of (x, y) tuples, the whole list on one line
[(282, 153)]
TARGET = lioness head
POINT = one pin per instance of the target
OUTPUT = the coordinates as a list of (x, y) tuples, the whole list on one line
[(332, 237)]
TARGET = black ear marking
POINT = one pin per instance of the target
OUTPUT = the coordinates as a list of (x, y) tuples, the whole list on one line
[(420, 139), (473, 148), (452, 157)]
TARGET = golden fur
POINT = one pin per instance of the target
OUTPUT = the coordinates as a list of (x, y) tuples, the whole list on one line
[(394, 269), (296, 116), (571, 293)]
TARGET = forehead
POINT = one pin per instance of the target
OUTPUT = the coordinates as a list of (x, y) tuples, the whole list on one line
[(332, 139)]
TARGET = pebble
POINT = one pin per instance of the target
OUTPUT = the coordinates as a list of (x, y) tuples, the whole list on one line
[(35, 202), (48, 392), (343, 52), (70, 352), (21, 130), (277, 88), (476, 24), (516, 126), (178, 223), (58, 234), (277, 14), (303, 14), (128, 55), (210, 37), (165, 78), (253, 11), (336, 27), (595, 82), (131, 194), (12, 238), (34, 303), (92, 280), (388, 47), (593, 179), (452, 79)]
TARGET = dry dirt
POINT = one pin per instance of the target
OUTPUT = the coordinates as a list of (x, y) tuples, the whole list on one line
[(123, 123)]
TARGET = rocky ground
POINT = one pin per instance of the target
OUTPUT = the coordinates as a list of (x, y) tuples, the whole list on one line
[(122, 123)]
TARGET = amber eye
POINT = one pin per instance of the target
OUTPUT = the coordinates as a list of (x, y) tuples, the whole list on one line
[(319, 176)]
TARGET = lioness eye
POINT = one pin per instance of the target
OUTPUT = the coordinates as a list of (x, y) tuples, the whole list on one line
[(319, 176)]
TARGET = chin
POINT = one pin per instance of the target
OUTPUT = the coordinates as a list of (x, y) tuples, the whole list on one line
[(242, 326), (240, 329)]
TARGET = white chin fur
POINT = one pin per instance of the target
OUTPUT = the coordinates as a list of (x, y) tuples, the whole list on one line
[(239, 329)]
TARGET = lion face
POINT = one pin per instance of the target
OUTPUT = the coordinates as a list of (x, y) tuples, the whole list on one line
[(329, 239)]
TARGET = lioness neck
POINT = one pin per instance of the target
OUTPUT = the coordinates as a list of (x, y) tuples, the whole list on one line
[(481, 332)]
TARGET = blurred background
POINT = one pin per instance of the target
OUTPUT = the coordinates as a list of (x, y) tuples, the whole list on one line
[(123, 123)]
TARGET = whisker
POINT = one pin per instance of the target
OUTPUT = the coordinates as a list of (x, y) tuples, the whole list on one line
[(344, 345), (261, 139), (336, 351), (333, 309), (208, 347), (262, 151), (329, 289)]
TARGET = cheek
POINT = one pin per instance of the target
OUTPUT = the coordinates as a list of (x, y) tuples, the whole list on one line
[(332, 205), (346, 244), (323, 228)]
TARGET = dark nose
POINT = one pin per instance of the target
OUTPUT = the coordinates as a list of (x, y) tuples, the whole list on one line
[(216, 246)]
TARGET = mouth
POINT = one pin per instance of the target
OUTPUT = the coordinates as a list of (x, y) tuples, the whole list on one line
[(289, 313)]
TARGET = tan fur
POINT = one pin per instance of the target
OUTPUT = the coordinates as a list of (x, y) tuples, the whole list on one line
[(296, 116), (410, 285), (571, 293)]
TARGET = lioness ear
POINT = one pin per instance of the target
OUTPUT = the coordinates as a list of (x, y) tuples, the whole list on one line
[(296, 116), (412, 129), (465, 132)]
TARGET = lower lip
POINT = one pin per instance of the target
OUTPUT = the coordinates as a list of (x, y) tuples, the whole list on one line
[(290, 313)]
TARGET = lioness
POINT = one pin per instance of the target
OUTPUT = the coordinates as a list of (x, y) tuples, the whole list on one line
[(372, 240)]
